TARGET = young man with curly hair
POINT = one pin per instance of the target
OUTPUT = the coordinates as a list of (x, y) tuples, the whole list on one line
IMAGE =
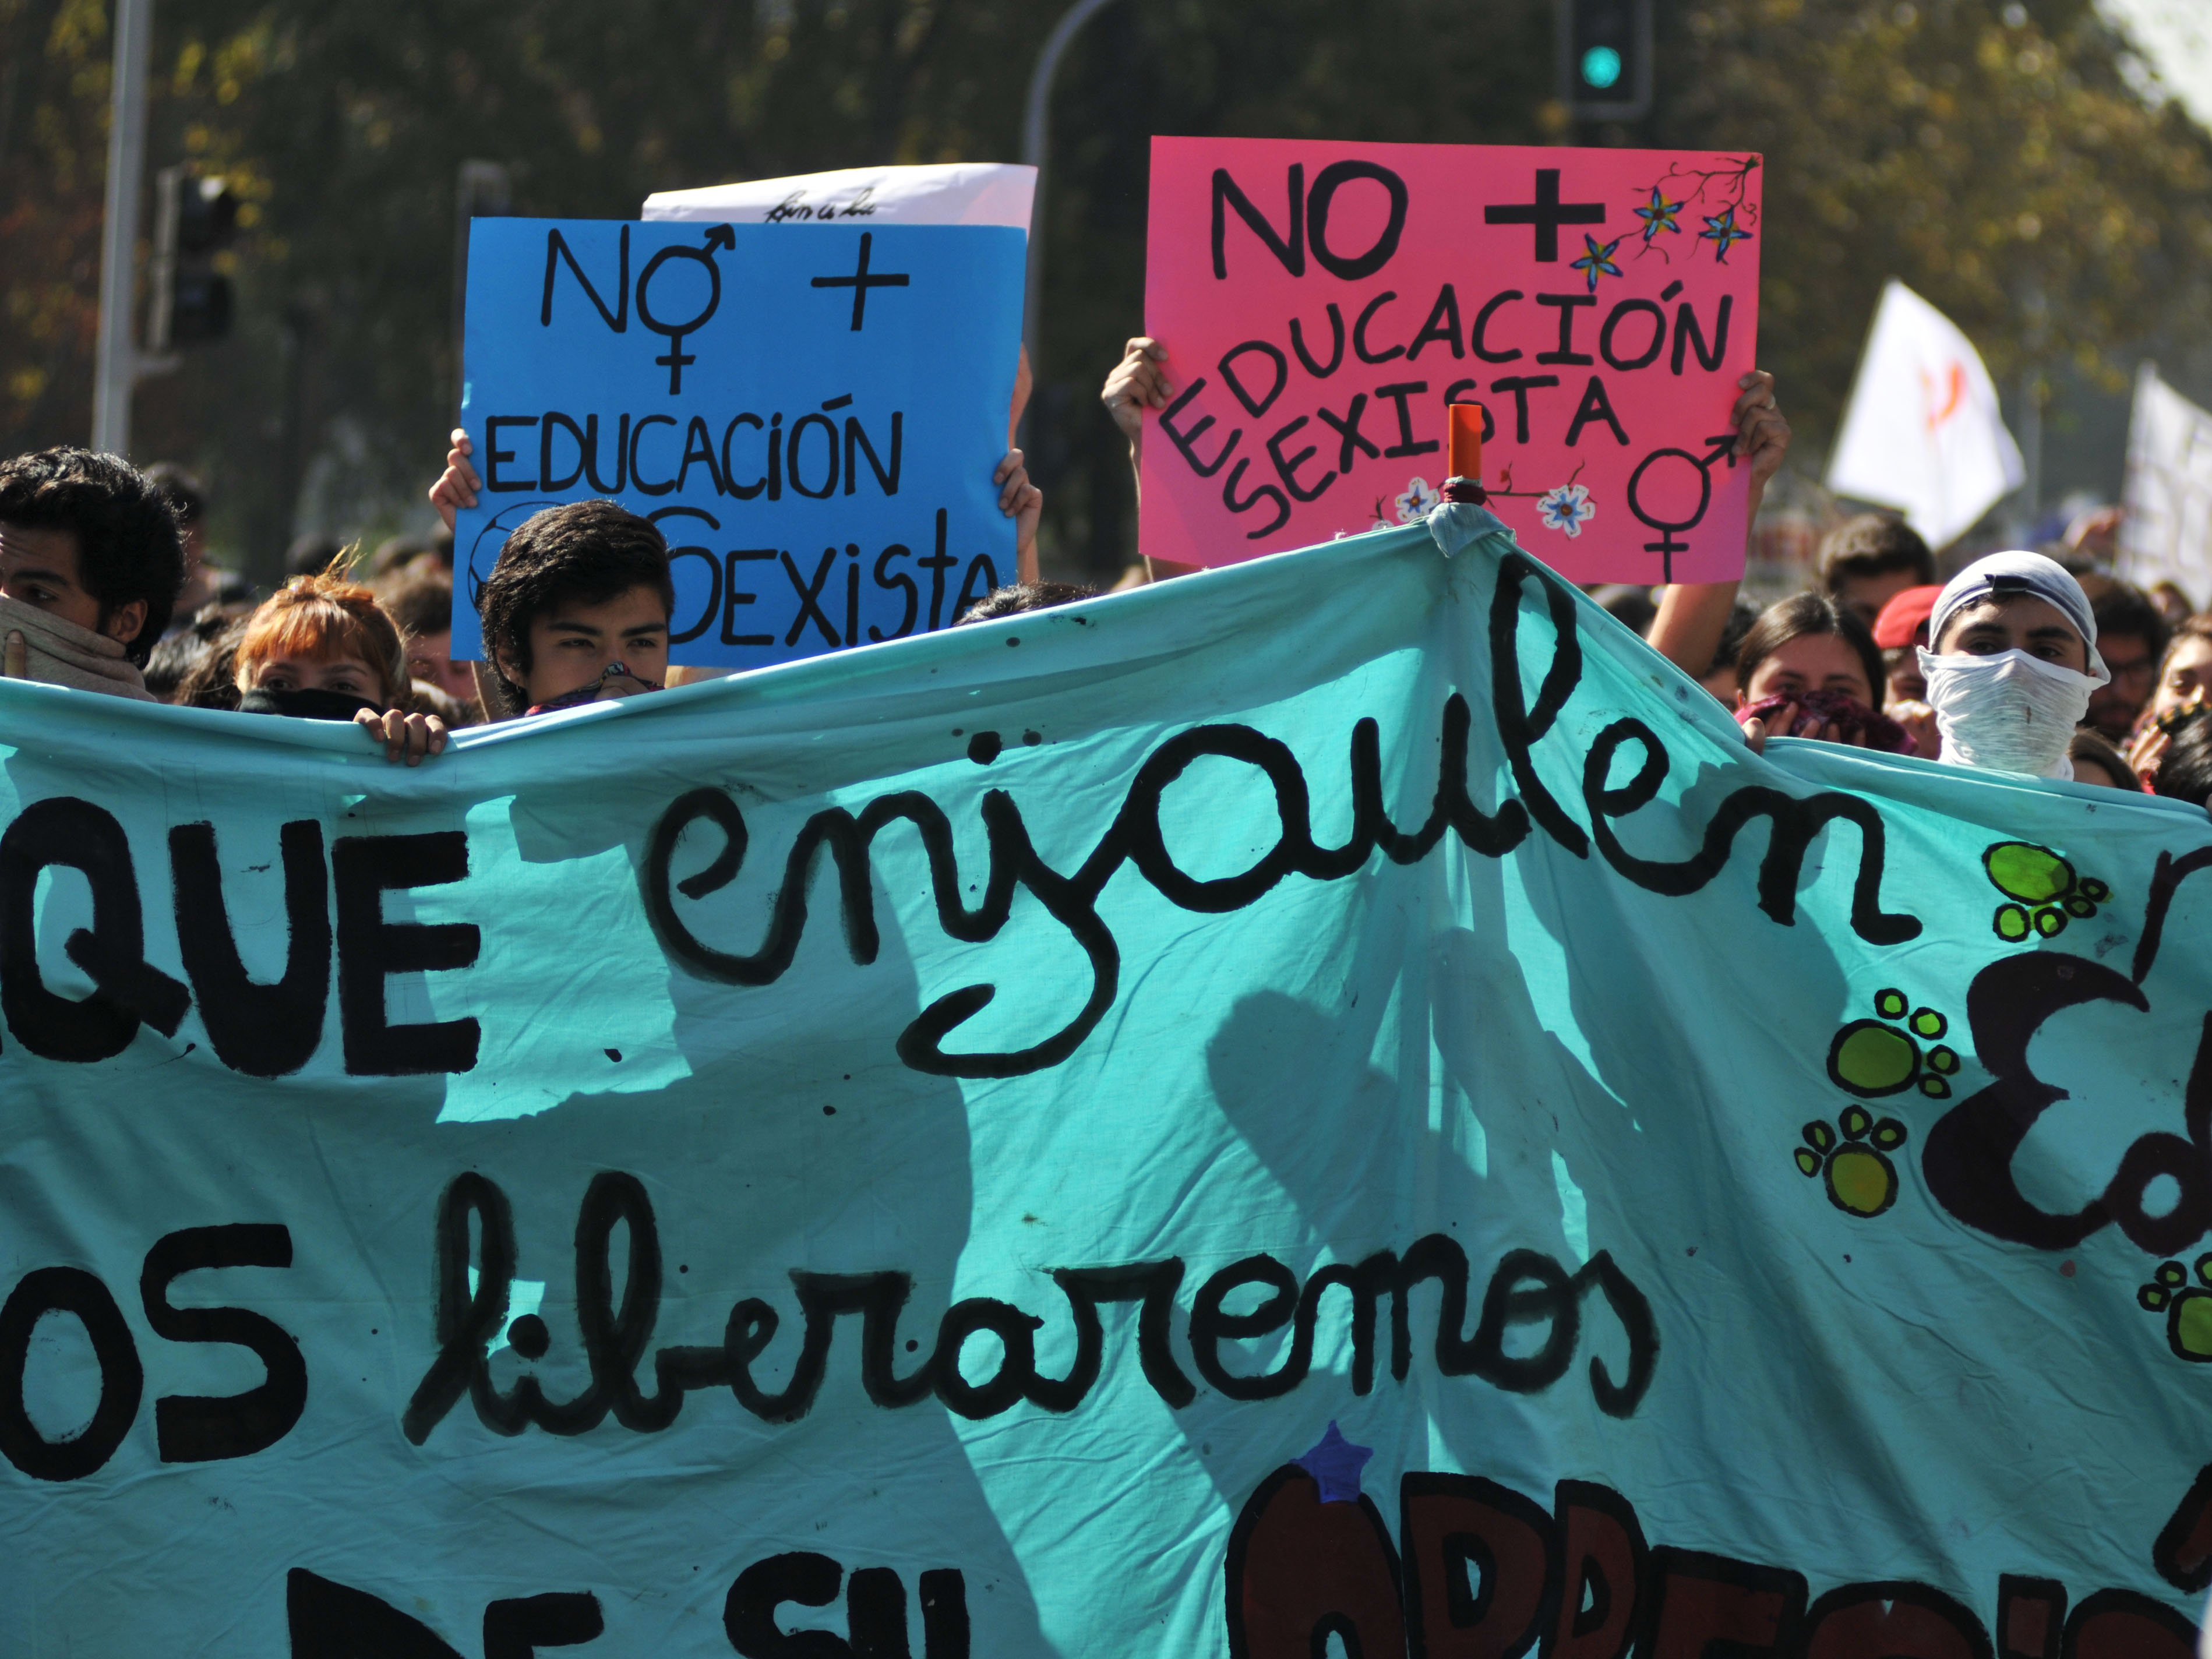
[(576, 611), (90, 566)]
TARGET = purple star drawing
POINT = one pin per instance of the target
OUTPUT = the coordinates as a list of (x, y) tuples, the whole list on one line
[(1335, 1464)]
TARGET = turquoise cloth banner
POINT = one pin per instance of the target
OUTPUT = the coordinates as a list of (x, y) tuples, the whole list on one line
[(1328, 1107)]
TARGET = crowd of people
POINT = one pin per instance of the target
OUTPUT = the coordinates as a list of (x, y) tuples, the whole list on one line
[(2037, 663), (104, 588), (2041, 663)]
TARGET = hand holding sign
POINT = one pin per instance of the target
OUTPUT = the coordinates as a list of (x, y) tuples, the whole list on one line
[(1328, 302)]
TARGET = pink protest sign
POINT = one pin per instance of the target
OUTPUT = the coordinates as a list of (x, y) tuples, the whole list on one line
[(1323, 303)]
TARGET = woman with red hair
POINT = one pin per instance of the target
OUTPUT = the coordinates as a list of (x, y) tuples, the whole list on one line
[(321, 647)]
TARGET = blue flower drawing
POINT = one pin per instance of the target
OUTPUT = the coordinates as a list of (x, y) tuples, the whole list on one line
[(1568, 508), (1660, 215), (1417, 503), (1723, 233), (1598, 259)]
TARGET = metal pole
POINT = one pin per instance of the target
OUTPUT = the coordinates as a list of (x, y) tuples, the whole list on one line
[(118, 241), (1035, 121)]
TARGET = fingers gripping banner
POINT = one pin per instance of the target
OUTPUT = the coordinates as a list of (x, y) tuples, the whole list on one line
[(1204, 1122)]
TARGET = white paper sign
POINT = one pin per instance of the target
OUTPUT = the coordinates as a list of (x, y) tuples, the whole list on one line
[(953, 193)]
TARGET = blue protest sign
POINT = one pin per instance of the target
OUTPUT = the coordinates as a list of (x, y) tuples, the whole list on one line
[(813, 424)]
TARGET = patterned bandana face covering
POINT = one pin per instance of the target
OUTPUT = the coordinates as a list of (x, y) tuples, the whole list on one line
[(2009, 712), (589, 691)]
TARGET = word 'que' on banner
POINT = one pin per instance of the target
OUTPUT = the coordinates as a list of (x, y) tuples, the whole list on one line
[(812, 422), (1322, 303)]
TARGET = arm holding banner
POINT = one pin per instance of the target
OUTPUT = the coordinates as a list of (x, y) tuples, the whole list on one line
[(1692, 615)]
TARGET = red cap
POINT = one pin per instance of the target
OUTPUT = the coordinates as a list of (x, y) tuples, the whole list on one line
[(1905, 616), (1464, 424)]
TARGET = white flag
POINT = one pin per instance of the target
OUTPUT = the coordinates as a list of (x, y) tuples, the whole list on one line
[(1922, 432), (945, 193), (2167, 533)]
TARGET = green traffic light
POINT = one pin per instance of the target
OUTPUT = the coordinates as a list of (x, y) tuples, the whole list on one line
[(1600, 67)]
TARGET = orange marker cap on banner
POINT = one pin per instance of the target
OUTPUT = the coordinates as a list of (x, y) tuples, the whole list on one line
[(1465, 459)]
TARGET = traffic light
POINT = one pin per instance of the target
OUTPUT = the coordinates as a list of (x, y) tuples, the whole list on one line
[(195, 220), (1605, 59)]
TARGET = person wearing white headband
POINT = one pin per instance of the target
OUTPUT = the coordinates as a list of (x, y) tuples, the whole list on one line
[(2014, 663)]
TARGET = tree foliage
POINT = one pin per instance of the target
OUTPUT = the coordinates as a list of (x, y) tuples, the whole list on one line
[(2002, 158)]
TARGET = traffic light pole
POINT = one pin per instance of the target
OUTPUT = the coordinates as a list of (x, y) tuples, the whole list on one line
[(1037, 133), (118, 366)]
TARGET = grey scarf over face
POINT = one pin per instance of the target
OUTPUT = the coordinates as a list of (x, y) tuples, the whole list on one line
[(58, 652)]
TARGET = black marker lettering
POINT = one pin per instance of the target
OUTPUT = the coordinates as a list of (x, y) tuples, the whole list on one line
[(1287, 469), (1407, 444), (371, 950), (901, 582), (1289, 249), (1443, 324), (495, 458), (732, 597), (1567, 305), (1187, 441), (1336, 344), (1359, 331), (1520, 386), (666, 486), (1255, 406), (744, 492)]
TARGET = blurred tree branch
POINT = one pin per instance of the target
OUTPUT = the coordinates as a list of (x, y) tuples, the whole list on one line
[(1983, 152)]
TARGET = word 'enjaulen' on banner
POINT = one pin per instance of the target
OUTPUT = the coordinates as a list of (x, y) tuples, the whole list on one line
[(1322, 303), (813, 425)]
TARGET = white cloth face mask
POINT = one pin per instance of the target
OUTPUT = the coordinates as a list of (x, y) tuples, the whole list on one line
[(2010, 712)]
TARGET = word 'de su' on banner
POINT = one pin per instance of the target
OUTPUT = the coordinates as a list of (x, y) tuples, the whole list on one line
[(1322, 304), (813, 423)]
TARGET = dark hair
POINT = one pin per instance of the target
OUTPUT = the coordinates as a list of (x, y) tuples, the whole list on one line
[(185, 494), (2198, 627), (177, 656), (213, 681), (584, 553), (312, 553), (127, 545), (1628, 604), (395, 553), (422, 602), (1872, 545), (1794, 618), (1015, 597), (1743, 615), (424, 698), (2124, 609), (2184, 771), (2087, 744)]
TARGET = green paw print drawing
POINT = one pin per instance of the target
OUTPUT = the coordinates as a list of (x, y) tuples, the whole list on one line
[(1860, 1179), (2187, 1307), (1872, 1058), (2043, 889)]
